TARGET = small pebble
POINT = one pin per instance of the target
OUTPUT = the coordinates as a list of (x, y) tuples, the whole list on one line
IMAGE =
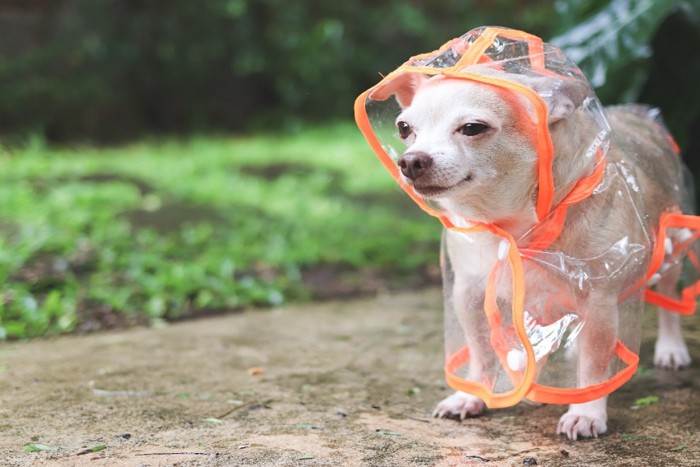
[(529, 461), (565, 453)]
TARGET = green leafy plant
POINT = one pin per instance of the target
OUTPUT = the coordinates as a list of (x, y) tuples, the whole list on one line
[(165, 230), (640, 51), (612, 38)]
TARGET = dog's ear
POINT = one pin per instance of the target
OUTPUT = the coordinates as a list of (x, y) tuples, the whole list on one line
[(562, 96), (403, 86)]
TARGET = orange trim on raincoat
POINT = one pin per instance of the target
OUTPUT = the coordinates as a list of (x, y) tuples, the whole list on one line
[(688, 297)]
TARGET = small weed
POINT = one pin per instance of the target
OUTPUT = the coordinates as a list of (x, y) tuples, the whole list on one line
[(36, 447), (630, 437), (643, 371), (645, 401), (413, 391), (93, 449)]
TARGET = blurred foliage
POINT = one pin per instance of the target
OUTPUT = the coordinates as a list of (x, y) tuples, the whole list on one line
[(106, 237), (640, 51), (110, 69), (611, 38)]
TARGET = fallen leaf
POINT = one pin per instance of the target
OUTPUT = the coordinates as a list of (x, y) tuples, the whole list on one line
[(645, 401), (256, 371), (213, 420), (96, 448), (305, 457), (36, 447)]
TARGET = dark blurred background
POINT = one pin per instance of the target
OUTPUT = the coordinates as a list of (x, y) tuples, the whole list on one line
[(110, 70), (114, 69)]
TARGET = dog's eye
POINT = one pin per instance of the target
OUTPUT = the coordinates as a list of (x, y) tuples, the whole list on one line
[(473, 129), (404, 129)]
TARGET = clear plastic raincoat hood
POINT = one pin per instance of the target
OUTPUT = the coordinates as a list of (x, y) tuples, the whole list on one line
[(526, 311)]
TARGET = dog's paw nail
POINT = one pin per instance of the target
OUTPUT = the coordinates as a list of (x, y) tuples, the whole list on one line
[(460, 406), (575, 425), (672, 356)]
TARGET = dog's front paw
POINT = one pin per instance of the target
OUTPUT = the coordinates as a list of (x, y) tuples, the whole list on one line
[(671, 354), (577, 425), (460, 405)]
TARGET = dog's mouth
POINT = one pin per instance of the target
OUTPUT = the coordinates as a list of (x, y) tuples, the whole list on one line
[(433, 191)]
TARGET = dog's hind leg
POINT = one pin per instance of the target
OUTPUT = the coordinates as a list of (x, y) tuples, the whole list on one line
[(670, 351), (596, 348)]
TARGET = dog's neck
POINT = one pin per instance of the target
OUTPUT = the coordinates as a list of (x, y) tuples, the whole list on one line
[(517, 225)]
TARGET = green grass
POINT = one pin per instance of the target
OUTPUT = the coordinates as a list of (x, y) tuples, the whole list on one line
[(171, 228)]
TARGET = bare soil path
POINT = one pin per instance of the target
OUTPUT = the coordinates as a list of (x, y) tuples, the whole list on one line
[(332, 384)]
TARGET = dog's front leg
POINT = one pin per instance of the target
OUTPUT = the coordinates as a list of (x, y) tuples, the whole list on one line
[(461, 404), (596, 348)]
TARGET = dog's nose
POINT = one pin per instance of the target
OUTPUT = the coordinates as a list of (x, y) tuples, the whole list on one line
[(414, 164)]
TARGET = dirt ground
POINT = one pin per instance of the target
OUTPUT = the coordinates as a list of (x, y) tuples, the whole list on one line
[(347, 383)]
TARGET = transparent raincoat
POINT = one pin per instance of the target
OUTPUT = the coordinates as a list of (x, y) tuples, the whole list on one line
[(524, 314)]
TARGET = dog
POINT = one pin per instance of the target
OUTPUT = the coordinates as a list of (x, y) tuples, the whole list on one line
[(467, 150)]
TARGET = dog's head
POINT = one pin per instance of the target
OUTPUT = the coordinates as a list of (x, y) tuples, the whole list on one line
[(471, 146)]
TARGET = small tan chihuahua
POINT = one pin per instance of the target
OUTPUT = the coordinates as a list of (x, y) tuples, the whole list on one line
[(468, 151)]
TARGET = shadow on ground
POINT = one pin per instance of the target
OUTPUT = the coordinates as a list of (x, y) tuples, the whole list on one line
[(329, 384)]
